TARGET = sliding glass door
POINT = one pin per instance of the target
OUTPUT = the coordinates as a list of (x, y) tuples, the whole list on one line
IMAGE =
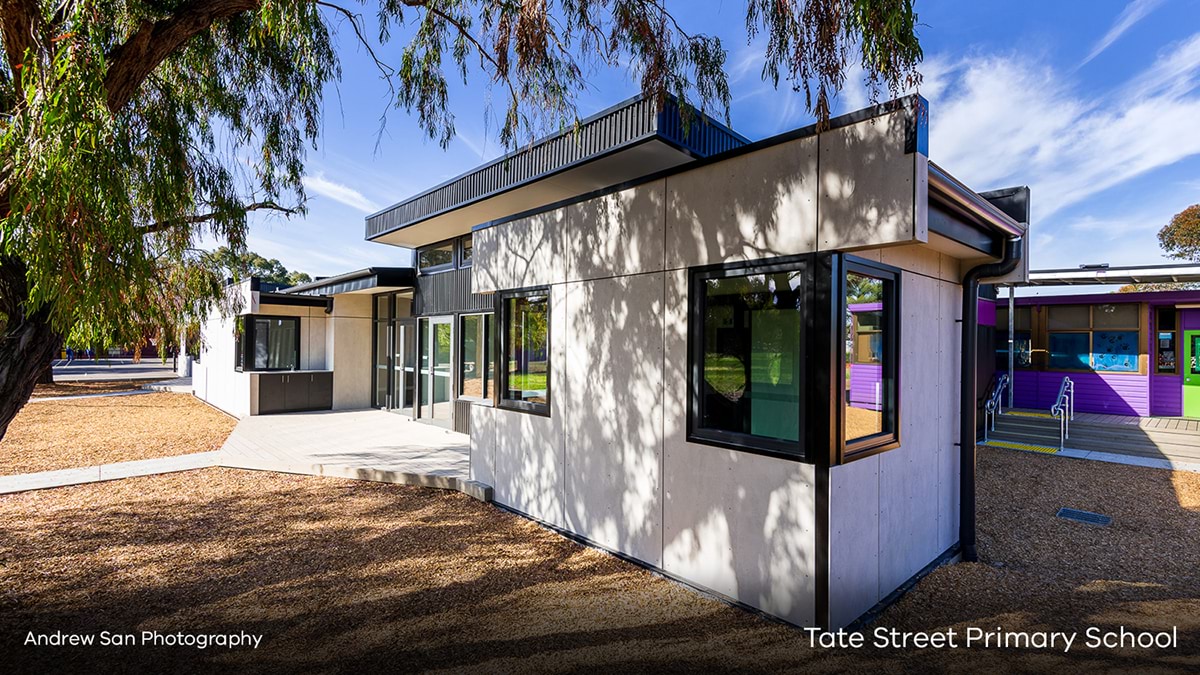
[(404, 367)]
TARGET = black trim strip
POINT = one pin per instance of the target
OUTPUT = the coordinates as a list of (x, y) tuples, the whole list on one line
[(286, 300)]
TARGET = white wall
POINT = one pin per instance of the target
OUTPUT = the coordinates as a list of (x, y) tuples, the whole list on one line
[(893, 513), (214, 378), (612, 462)]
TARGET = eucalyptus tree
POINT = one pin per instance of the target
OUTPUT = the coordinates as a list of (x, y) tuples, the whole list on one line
[(130, 130)]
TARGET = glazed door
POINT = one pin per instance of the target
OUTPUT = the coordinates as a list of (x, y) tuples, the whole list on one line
[(404, 366), (1191, 373), (436, 356)]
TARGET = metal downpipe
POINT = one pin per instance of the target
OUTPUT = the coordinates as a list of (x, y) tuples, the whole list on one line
[(1013, 252)]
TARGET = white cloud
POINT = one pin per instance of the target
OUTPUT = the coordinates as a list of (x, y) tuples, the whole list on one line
[(1011, 119), (340, 193), (1134, 12)]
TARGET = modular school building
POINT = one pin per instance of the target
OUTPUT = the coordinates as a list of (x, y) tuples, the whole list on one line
[(1127, 353), (649, 332)]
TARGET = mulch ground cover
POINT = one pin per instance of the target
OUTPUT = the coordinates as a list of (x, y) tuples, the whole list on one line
[(345, 576), (52, 435)]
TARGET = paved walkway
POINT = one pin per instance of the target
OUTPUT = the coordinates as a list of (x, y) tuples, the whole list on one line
[(39, 399), (360, 444), (178, 385), (103, 472), (87, 370)]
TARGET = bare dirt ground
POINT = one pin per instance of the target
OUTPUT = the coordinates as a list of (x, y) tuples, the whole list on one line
[(344, 576), (52, 435)]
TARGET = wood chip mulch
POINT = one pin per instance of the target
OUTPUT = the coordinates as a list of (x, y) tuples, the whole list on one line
[(53, 435), (344, 576), (87, 387)]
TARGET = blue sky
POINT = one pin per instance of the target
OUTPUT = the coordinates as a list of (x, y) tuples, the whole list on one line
[(1094, 105)]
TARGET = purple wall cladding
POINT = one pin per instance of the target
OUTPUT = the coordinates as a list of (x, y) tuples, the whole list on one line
[(865, 382), (1111, 393), (987, 312)]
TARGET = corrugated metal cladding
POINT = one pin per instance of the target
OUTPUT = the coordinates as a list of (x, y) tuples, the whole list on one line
[(448, 292), (462, 416), (636, 120)]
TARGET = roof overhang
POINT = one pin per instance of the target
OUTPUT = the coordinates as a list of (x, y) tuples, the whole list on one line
[(628, 141), (369, 280)]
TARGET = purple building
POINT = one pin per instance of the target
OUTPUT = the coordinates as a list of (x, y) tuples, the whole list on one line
[(1125, 352)]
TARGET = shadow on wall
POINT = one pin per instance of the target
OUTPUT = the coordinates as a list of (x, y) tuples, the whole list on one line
[(612, 462)]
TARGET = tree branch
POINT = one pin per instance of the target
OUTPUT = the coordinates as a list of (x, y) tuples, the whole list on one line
[(132, 62), (164, 225), (19, 23), (386, 70)]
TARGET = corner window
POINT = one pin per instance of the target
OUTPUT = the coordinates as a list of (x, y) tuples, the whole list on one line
[(436, 258), (476, 356), (871, 336), (525, 351), (268, 343), (747, 356)]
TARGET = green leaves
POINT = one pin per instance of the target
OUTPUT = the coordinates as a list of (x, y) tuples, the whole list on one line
[(1181, 237)]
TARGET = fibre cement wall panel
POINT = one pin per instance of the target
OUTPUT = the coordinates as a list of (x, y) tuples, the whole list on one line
[(618, 234), (869, 187), (348, 348), (740, 524), (529, 449), (758, 205), (949, 368), (483, 443), (526, 252), (614, 368)]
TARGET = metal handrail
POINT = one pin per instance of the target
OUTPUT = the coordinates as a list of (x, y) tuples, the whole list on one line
[(1064, 410), (994, 405)]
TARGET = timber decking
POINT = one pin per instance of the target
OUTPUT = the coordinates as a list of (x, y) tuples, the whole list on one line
[(1170, 438)]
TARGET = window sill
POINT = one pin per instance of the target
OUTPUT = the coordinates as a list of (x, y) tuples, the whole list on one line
[(789, 455), (528, 409)]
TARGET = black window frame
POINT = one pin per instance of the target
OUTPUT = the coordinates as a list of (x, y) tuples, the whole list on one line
[(696, 433), (488, 374), (848, 450), (460, 249), (444, 267), (501, 354), (244, 343)]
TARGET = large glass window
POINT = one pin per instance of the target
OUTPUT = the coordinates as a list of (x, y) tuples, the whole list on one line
[(436, 257), (748, 356), (1103, 338), (268, 343), (476, 356), (869, 403), (525, 375)]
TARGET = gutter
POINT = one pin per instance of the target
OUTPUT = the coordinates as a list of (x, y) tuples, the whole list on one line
[(964, 198), (1014, 250)]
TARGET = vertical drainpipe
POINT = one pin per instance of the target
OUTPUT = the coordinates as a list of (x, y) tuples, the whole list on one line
[(1013, 250)]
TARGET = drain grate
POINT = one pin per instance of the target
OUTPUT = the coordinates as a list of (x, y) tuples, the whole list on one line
[(1085, 517)]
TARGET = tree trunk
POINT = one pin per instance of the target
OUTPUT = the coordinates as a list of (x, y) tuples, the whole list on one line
[(47, 376), (26, 349), (27, 345)]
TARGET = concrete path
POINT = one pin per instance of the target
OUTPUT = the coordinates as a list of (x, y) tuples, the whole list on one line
[(178, 385), (75, 396), (360, 444), (103, 472), (113, 369)]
